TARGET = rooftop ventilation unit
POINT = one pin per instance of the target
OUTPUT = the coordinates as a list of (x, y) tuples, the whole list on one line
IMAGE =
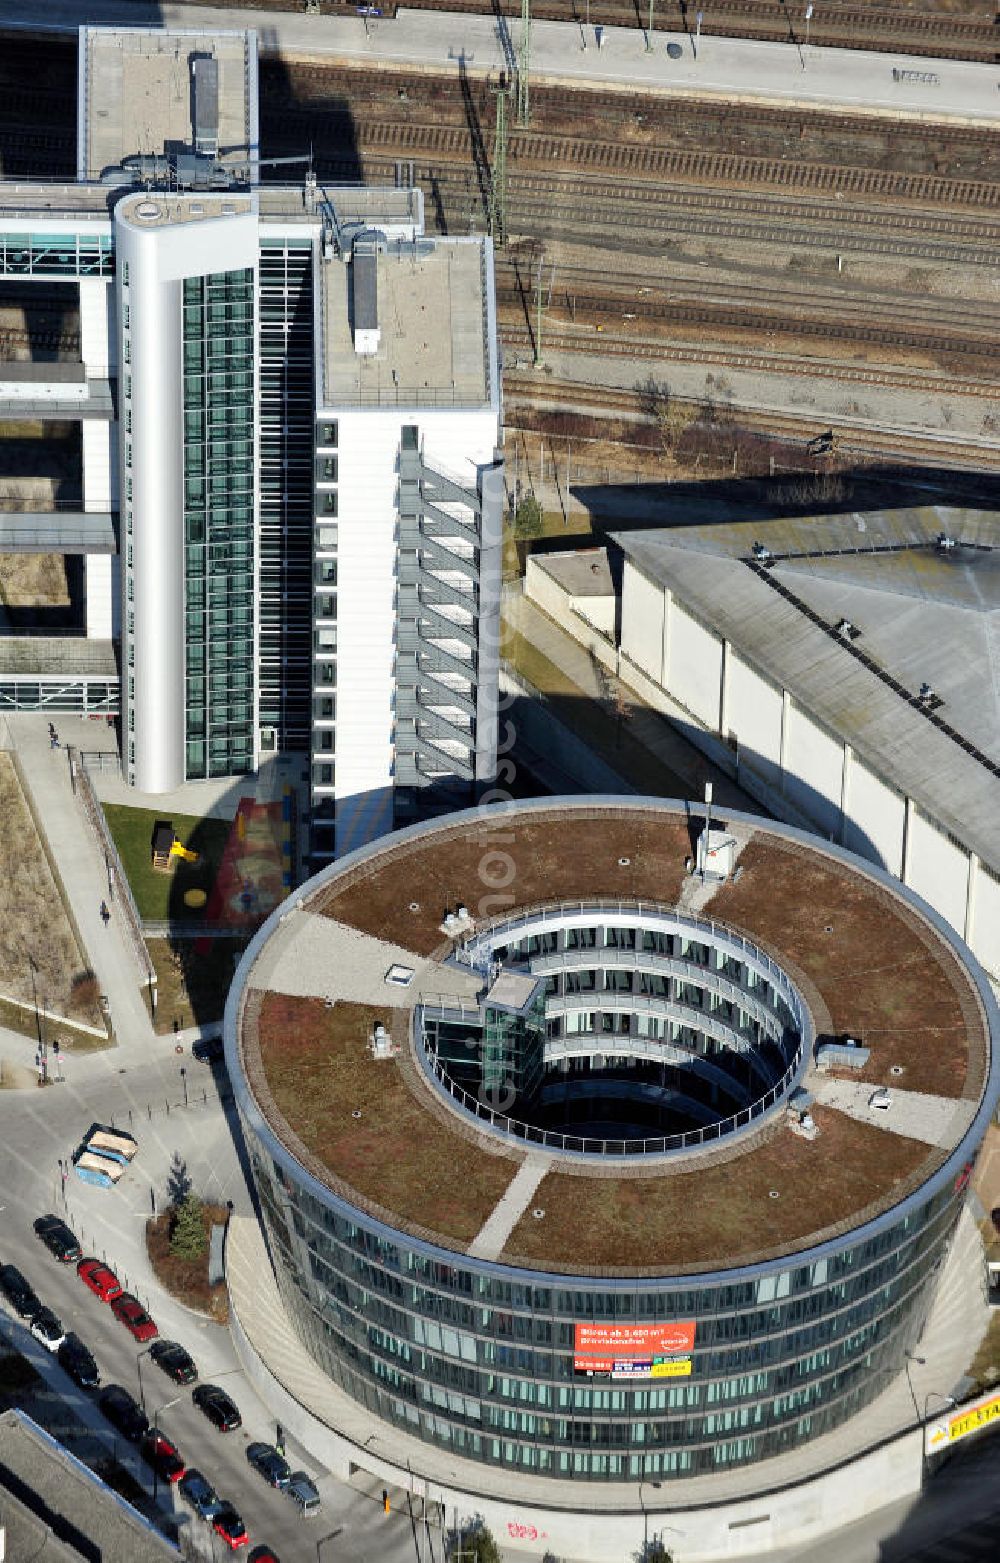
[(205, 104), (364, 290)]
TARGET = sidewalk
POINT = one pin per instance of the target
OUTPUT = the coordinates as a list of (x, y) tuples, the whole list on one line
[(727, 68), (80, 865)]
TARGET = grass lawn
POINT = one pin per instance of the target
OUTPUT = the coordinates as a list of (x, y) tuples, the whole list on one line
[(160, 895), (191, 986), (576, 533)]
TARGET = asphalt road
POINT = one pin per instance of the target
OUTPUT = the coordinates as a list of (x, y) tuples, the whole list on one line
[(37, 1127)]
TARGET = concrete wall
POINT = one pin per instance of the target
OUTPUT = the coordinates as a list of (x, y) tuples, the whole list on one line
[(591, 620), (794, 764)]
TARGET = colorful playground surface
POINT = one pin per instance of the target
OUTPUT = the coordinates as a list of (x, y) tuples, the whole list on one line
[(256, 868)]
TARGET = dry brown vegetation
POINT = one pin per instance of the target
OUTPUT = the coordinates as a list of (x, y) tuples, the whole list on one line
[(39, 954), (885, 979), (493, 867), (187, 1279), (397, 1154)]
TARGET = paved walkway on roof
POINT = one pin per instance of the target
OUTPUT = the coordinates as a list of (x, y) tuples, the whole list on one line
[(713, 67)]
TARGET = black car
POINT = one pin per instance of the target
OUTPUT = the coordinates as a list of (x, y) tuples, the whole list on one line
[(217, 1406), (58, 1239), (200, 1494), (209, 1050), (266, 1459), (174, 1360), (20, 1293), (124, 1413), (74, 1356)]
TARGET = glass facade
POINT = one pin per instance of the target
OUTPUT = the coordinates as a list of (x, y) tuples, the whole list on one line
[(218, 368), (478, 1359), (56, 255)]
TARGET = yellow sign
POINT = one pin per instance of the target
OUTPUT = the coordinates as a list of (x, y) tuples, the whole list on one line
[(680, 1367), (952, 1428)]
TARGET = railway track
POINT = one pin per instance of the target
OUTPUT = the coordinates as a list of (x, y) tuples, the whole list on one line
[(745, 318), (605, 345), (641, 229), (678, 164)]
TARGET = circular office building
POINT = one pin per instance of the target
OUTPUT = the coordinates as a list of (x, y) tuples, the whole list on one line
[(596, 1141)]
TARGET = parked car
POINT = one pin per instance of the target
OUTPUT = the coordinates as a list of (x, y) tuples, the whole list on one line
[(230, 1527), (162, 1455), (175, 1361), (218, 1407), (45, 1327), (209, 1050), (262, 1555), (124, 1413), (130, 1312), (266, 1459), (200, 1494), (79, 1363), (304, 1493), (100, 1278), (20, 1293), (58, 1238)]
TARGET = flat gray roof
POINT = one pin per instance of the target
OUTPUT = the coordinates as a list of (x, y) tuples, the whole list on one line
[(54, 1506), (432, 314), (56, 656), (926, 616), (583, 573), (57, 532), (136, 92)]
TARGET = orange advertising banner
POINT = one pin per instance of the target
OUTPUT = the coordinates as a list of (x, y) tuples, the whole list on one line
[(596, 1347)]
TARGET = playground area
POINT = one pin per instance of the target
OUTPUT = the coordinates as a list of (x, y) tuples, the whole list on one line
[(216, 873)]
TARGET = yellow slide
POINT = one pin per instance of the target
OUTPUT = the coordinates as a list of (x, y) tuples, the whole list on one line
[(179, 850)]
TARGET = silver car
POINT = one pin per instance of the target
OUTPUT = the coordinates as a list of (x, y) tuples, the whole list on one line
[(303, 1493)]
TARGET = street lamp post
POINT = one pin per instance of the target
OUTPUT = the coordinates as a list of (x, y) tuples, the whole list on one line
[(156, 1417), (649, 30), (138, 1368), (809, 17), (912, 1357), (697, 31), (184, 1083), (946, 1400)]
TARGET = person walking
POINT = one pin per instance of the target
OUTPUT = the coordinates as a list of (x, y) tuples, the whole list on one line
[(53, 737), (105, 913)]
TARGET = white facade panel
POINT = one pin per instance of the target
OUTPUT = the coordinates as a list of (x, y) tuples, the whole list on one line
[(97, 335), (97, 480), (695, 671), (753, 713), (814, 770), (643, 606), (986, 921), (97, 587), (938, 870), (156, 256), (366, 612), (876, 818)]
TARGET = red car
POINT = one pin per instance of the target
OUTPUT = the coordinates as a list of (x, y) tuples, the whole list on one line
[(102, 1281), (162, 1455), (134, 1317), (231, 1528)]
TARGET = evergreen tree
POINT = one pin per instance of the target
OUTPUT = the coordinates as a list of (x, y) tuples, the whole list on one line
[(188, 1238)]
